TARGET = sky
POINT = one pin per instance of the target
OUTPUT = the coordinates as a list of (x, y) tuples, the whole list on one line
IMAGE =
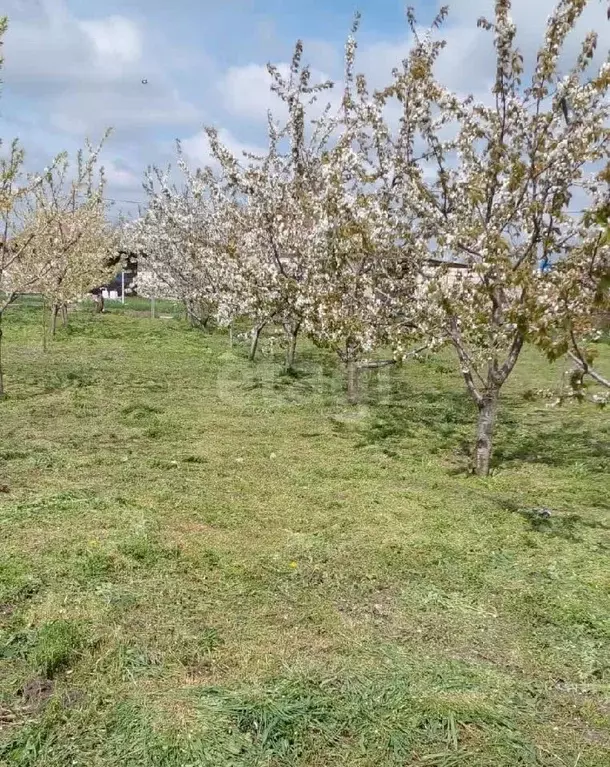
[(74, 68)]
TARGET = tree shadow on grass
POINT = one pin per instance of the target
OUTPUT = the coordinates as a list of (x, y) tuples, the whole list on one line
[(403, 415), (557, 524), (558, 445), (438, 420), (315, 373), (444, 421)]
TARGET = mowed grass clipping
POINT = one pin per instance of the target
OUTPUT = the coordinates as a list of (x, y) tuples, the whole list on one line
[(206, 562)]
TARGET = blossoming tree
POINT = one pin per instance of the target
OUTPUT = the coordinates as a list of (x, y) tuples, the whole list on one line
[(497, 195), (577, 301), (20, 269), (79, 243), (278, 200), (365, 286), (184, 240)]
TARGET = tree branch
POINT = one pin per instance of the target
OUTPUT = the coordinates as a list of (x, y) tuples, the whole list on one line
[(465, 363), (513, 356), (588, 370)]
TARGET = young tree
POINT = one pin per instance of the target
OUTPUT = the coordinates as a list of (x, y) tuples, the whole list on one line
[(79, 243), (498, 192), (50, 240), (183, 241), (20, 270), (577, 296), (346, 305), (364, 289), (278, 198)]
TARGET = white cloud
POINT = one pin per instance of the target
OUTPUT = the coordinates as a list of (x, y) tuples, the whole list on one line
[(61, 50), (86, 74), (197, 149), (134, 107), (377, 60), (324, 56), (117, 41), (246, 92), (68, 77), (73, 73), (120, 177)]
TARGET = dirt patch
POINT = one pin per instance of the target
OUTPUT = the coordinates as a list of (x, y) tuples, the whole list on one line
[(72, 698), (6, 610), (597, 738), (36, 693)]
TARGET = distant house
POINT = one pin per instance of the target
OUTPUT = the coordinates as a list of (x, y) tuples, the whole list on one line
[(125, 278), (434, 262), (452, 271)]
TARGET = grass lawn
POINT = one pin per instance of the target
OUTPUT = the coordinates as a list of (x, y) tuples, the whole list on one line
[(207, 563)]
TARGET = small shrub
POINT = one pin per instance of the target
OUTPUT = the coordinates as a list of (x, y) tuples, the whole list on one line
[(197, 649), (12, 455), (17, 644)]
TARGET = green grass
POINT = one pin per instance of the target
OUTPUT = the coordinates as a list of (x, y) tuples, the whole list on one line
[(206, 562)]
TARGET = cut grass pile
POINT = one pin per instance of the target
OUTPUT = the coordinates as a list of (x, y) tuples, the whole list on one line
[(206, 562)]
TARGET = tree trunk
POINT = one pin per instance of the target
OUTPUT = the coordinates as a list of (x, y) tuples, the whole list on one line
[(44, 324), (190, 313), (485, 429), (54, 313), (206, 314), (292, 334), (200, 318), (1, 364), (64, 315), (353, 393), (231, 336), (256, 332)]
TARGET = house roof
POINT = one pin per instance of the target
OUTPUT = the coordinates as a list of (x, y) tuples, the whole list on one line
[(443, 262)]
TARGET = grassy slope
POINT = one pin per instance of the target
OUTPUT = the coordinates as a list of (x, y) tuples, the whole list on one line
[(206, 563)]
